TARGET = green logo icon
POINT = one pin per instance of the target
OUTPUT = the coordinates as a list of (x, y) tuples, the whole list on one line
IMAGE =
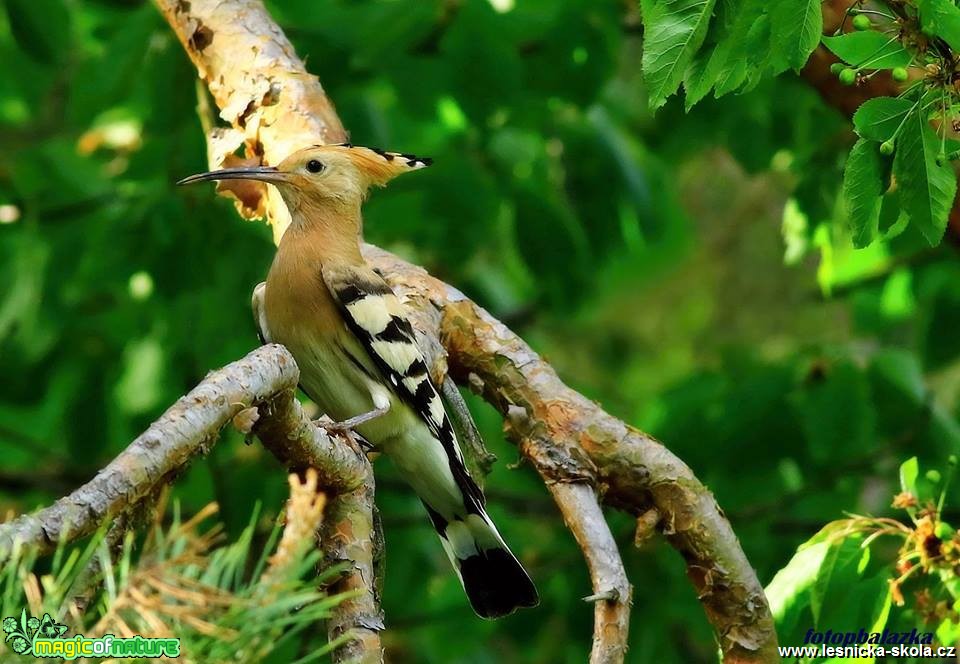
[(23, 633), (44, 638)]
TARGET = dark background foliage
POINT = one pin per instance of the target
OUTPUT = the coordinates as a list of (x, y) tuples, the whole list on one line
[(682, 269)]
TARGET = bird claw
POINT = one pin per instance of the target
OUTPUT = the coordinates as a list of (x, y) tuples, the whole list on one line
[(344, 429)]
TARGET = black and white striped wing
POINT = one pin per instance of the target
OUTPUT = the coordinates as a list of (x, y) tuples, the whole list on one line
[(377, 319)]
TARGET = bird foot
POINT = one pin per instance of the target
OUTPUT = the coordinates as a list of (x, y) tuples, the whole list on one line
[(344, 429)]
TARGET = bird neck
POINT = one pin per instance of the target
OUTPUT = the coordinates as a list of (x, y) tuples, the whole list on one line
[(326, 230)]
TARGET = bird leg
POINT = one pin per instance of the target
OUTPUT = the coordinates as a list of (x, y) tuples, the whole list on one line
[(346, 427), (355, 421)]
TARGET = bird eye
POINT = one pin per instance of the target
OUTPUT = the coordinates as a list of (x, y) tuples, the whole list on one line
[(314, 166)]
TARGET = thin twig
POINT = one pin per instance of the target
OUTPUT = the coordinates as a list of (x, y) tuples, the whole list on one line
[(611, 591)]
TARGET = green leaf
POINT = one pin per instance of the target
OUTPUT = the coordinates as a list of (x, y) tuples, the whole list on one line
[(789, 591), (696, 80), (674, 30), (862, 189), (737, 51), (796, 29), (941, 18), (909, 471), (879, 118), (869, 49), (749, 58), (893, 220), (926, 189), (848, 594)]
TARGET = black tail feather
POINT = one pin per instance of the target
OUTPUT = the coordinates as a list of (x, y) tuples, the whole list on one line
[(496, 583)]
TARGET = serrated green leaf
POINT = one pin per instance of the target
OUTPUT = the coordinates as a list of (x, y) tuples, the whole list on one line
[(759, 58), (696, 83), (674, 30), (701, 74), (926, 189), (869, 49), (738, 51), (862, 189), (879, 118), (738, 64), (796, 30), (893, 220), (941, 18)]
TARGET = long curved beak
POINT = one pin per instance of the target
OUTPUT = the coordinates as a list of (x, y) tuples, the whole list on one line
[(263, 173)]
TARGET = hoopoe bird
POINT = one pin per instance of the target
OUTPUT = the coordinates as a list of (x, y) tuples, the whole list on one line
[(359, 359)]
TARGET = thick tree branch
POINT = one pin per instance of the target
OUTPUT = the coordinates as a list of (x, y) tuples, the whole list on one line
[(351, 534), (578, 442), (187, 429), (298, 443), (266, 379), (581, 451), (580, 507)]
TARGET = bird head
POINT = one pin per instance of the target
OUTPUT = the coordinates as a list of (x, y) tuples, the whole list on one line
[(322, 174)]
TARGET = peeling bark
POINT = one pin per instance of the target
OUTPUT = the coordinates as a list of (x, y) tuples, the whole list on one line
[(351, 535), (272, 103)]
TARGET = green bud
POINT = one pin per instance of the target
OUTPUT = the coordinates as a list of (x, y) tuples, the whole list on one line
[(848, 76), (861, 22), (836, 68), (886, 147), (933, 476), (943, 531), (900, 74), (940, 159)]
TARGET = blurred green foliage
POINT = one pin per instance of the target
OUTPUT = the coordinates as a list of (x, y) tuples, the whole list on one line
[(691, 271)]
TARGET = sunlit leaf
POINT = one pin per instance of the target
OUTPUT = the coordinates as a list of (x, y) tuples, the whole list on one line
[(927, 189), (862, 188), (879, 118), (941, 18), (796, 29), (869, 49), (909, 471), (674, 30)]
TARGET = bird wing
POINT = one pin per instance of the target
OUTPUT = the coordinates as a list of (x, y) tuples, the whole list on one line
[(377, 320), (259, 315)]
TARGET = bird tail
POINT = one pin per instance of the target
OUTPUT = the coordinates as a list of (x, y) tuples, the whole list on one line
[(494, 580)]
